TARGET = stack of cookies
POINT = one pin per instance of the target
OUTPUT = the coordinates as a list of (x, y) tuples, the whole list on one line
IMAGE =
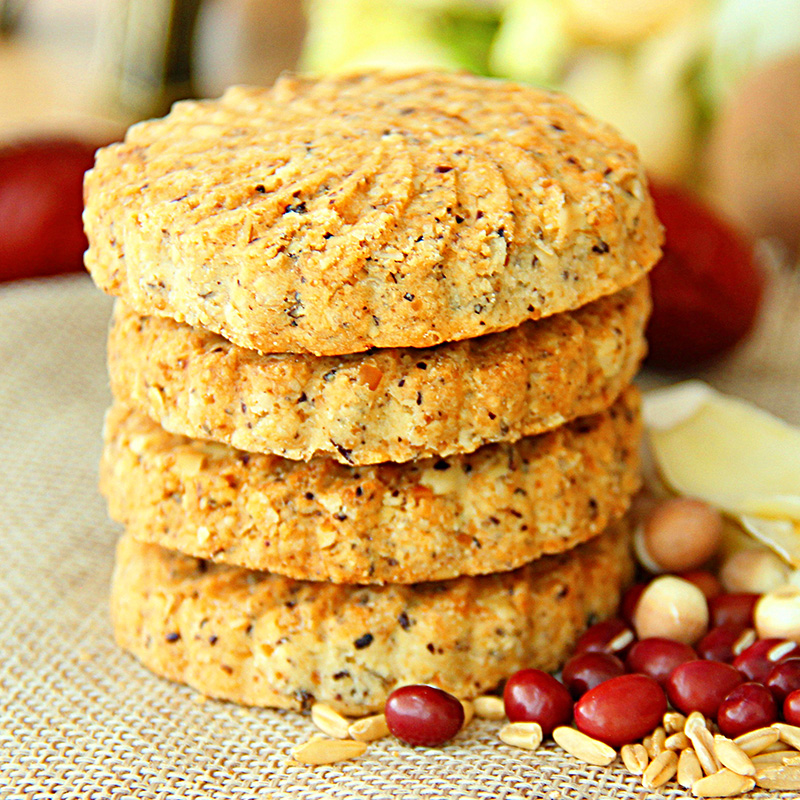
[(371, 357)]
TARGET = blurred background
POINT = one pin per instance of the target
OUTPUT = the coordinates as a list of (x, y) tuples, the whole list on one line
[(708, 89)]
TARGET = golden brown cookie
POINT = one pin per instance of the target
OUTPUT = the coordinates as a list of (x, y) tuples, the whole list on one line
[(387, 405), (262, 639), (487, 511), (335, 215)]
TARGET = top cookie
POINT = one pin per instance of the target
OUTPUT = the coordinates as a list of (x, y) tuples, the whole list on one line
[(376, 210)]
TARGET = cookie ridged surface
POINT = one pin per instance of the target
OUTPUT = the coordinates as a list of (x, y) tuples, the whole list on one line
[(265, 640), (387, 405), (488, 511), (335, 215)]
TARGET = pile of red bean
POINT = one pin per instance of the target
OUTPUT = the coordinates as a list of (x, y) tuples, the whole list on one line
[(622, 684), (678, 639), (616, 687)]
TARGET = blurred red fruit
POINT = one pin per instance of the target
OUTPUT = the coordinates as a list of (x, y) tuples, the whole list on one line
[(706, 288), (41, 202)]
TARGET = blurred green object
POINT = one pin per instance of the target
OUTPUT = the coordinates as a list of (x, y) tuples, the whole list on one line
[(532, 42), (468, 33), (10, 13), (147, 48), (659, 70), (351, 34)]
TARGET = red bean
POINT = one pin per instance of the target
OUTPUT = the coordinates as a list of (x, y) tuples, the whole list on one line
[(627, 605), (621, 710), (756, 662), (587, 670), (747, 707), (701, 686), (705, 581), (657, 657), (613, 636), (717, 644), (734, 610), (791, 708), (783, 679), (535, 696), (423, 715)]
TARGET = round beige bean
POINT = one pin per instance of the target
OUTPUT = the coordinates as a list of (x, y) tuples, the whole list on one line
[(682, 534), (671, 608), (777, 614), (753, 571)]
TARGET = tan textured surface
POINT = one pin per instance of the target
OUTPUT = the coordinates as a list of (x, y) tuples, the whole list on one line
[(360, 212), (265, 640), (388, 405), (81, 719), (487, 511)]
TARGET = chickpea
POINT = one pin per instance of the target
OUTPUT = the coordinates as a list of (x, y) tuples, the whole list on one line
[(681, 534), (777, 614), (753, 571), (671, 608)]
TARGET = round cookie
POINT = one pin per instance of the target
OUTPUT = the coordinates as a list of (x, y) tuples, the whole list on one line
[(266, 640), (375, 210), (387, 405), (487, 511)]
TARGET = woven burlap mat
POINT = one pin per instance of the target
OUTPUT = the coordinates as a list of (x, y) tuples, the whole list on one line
[(80, 719)]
